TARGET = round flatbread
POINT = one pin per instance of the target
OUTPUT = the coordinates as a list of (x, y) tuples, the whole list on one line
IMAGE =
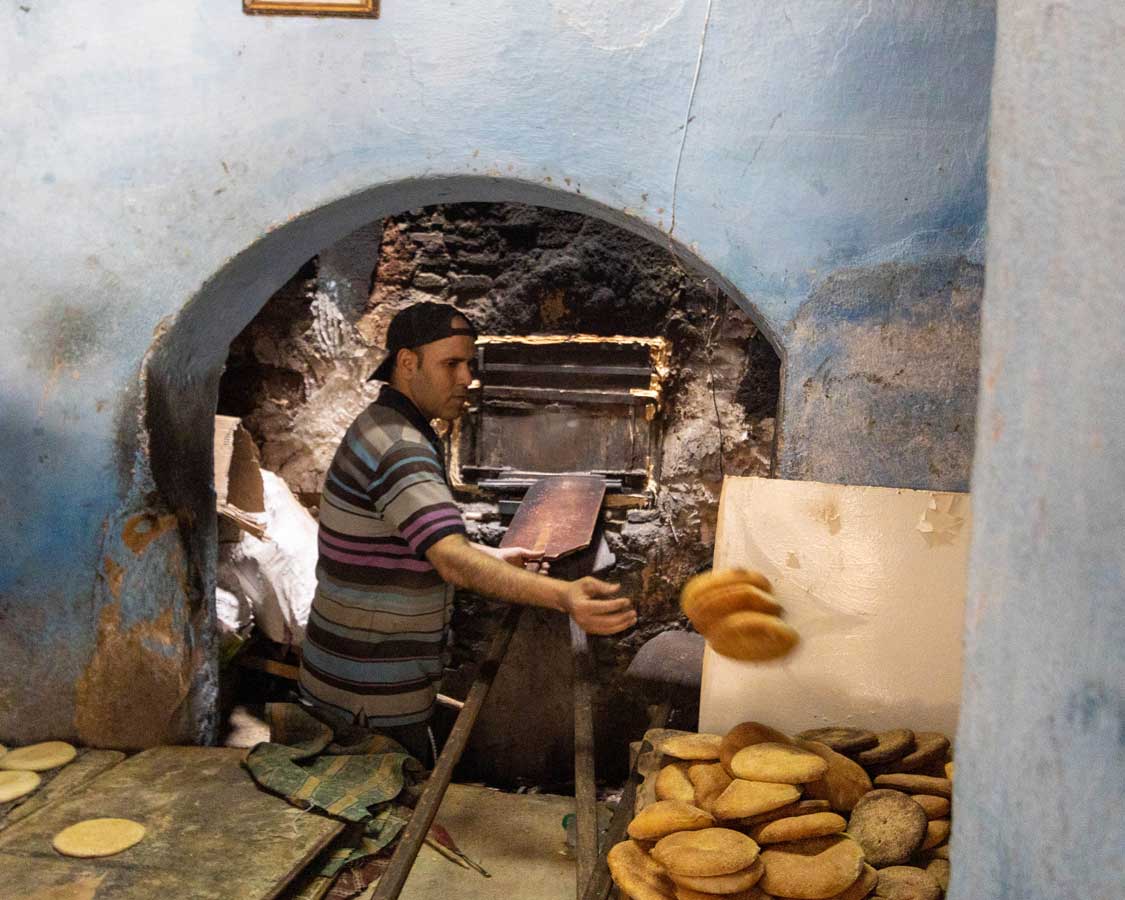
[(917, 784), (711, 605), (665, 817), (751, 637), (949, 770), (842, 739), (708, 781), (889, 826), (788, 811), (672, 783), (940, 870), (721, 884), (98, 837), (745, 735), (844, 782), (637, 873), (935, 807), (892, 745), (930, 748), (696, 747), (710, 851), (754, 893), (812, 869), (16, 784), (907, 883), (744, 798), (38, 757), (862, 886), (797, 828), (721, 578), (937, 833), (781, 763)]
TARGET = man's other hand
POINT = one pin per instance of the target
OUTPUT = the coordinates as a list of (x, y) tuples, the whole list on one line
[(585, 601)]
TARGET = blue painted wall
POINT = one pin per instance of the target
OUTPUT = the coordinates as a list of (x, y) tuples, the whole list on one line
[(168, 165), (880, 386), (1040, 783)]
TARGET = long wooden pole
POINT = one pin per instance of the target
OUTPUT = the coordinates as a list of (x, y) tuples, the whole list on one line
[(414, 834), (585, 794)]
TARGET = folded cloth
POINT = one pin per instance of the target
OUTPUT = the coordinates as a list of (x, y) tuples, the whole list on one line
[(364, 781)]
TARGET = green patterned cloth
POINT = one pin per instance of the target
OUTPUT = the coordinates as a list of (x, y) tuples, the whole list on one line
[(367, 782)]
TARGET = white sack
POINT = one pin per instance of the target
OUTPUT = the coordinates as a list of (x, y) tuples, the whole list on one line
[(232, 611), (277, 575)]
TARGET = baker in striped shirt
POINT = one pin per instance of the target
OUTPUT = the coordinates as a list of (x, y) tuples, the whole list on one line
[(393, 546)]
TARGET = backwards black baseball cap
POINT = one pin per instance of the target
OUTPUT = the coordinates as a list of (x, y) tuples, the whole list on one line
[(422, 323)]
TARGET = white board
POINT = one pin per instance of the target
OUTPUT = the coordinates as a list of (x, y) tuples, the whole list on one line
[(873, 579)]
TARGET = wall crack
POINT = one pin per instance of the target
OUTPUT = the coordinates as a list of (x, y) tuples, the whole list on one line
[(688, 116)]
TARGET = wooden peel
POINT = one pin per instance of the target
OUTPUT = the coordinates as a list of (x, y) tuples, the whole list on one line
[(557, 516), (541, 543)]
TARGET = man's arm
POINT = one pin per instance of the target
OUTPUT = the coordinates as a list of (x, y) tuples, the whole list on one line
[(463, 565)]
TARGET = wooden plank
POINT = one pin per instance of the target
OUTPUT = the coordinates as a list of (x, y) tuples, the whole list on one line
[(600, 883), (630, 397), (270, 666), (522, 485), (64, 782), (558, 515), (212, 834)]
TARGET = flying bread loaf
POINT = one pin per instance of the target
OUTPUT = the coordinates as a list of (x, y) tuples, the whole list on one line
[(735, 611)]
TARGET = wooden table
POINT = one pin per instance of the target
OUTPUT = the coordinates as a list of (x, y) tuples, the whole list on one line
[(212, 834)]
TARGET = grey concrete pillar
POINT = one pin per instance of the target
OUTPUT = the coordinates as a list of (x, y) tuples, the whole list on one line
[(1040, 785)]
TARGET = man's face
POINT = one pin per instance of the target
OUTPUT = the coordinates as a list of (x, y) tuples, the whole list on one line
[(437, 376)]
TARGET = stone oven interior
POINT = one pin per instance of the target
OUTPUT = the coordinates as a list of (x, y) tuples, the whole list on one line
[(705, 385), (548, 404)]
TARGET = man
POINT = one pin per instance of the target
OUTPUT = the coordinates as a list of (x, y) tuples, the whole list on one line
[(393, 546)]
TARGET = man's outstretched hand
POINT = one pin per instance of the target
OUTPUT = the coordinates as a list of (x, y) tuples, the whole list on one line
[(585, 601)]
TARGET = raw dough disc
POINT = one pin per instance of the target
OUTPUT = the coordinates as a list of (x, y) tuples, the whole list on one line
[(38, 757), (14, 785), (98, 837)]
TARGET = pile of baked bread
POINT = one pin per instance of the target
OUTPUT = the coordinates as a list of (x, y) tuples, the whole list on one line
[(839, 812)]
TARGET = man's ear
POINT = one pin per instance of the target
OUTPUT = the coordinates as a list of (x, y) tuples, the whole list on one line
[(407, 362)]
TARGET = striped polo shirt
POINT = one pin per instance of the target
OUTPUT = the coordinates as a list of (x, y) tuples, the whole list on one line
[(373, 647)]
